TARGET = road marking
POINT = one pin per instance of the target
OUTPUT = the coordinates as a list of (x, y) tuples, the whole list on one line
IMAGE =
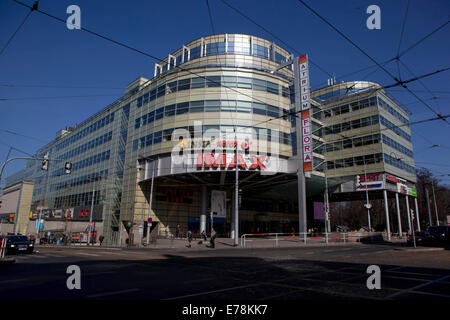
[(198, 280), (417, 287), (111, 293), (214, 291), (88, 254), (14, 280)]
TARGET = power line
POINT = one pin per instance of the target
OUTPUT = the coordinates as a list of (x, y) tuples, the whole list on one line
[(58, 97), (403, 28), (12, 85), (273, 35), (372, 59), (141, 52), (418, 42), (210, 17), (34, 7), (22, 135)]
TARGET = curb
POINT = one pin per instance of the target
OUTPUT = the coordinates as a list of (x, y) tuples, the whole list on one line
[(7, 261), (419, 249)]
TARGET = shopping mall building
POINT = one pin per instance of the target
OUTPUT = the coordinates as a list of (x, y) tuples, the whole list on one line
[(169, 146)]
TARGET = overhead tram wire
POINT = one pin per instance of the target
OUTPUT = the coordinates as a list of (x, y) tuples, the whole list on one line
[(372, 59), (33, 8), (275, 36), (140, 52), (210, 17), (401, 38)]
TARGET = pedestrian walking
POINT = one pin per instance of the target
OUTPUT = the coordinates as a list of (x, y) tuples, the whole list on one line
[(101, 239), (189, 238), (177, 231), (167, 232), (213, 238)]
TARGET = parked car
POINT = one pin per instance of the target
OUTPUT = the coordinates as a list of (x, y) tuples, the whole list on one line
[(18, 244), (440, 233), (422, 238)]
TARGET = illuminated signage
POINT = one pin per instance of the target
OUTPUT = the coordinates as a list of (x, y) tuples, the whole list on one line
[(305, 115), (221, 160)]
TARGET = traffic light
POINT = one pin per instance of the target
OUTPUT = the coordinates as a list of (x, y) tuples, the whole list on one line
[(358, 180), (68, 167), (45, 162)]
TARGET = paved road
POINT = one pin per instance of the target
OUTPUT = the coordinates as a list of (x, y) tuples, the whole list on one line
[(305, 272)]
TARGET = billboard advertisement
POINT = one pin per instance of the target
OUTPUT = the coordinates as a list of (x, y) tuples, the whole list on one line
[(218, 203)]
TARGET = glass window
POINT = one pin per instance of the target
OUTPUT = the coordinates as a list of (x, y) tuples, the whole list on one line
[(212, 105), (182, 107), (348, 162), (244, 106), (357, 142), (161, 91), (169, 110), (137, 123), (243, 82), (367, 140), (213, 81), (198, 82), (171, 87), (272, 87), (259, 84), (229, 81), (159, 113), (356, 123), (347, 143), (184, 84), (157, 138), (196, 106), (346, 126), (151, 117), (259, 108)]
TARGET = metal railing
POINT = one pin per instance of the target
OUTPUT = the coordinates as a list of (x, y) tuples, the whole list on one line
[(303, 237)]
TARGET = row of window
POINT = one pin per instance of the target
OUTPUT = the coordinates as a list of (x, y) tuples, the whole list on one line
[(87, 146), (355, 161), (385, 122), (86, 131), (209, 106), (353, 106), (352, 143), (100, 157), (95, 176), (212, 82), (397, 146), (386, 106), (233, 48), (166, 135), (80, 199), (349, 125), (399, 163)]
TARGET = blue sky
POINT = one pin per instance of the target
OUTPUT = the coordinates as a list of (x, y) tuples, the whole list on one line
[(46, 60)]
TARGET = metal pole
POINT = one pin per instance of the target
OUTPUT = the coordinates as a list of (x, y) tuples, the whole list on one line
[(386, 210), (435, 206), (367, 200), (399, 219), (417, 213), (150, 203), (236, 194), (408, 215), (39, 227), (412, 224), (90, 215), (427, 196)]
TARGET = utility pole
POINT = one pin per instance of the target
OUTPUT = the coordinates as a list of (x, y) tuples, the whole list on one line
[(427, 196), (150, 203), (90, 216), (368, 205), (435, 206)]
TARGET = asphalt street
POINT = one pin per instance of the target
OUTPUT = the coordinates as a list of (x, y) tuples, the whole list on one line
[(228, 274)]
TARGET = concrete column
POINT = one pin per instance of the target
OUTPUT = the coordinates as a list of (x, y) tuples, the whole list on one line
[(408, 214), (386, 210), (203, 209), (398, 215), (417, 213)]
